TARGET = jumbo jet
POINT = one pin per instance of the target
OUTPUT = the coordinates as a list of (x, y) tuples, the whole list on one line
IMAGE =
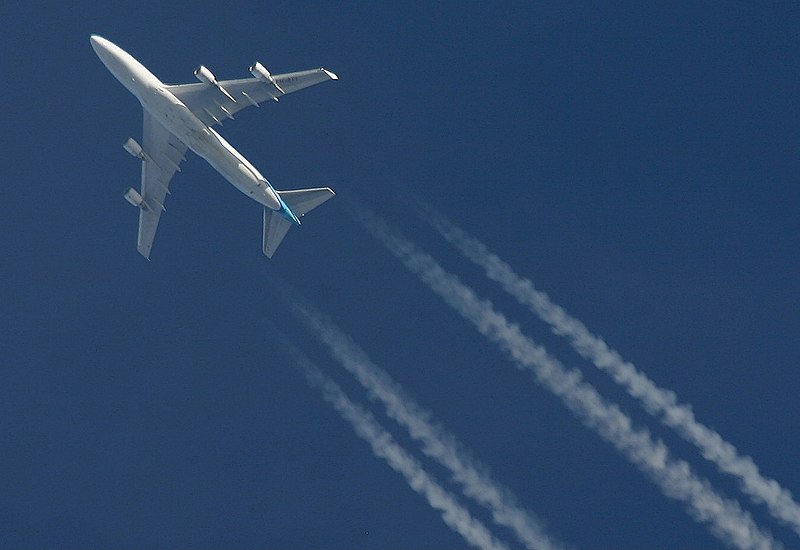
[(182, 116)]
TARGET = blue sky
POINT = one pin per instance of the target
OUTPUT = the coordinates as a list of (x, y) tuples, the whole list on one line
[(637, 163)]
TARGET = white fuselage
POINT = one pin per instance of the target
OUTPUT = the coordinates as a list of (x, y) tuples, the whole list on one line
[(168, 110)]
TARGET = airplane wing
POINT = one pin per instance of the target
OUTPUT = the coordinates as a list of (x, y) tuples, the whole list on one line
[(162, 155), (214, 103)]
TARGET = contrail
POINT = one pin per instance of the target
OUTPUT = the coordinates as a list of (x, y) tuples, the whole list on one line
[(657, 401), (724, 517), (384, 446), (437, 442)]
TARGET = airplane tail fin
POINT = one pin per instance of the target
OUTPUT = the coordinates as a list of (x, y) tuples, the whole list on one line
[(298, 202)]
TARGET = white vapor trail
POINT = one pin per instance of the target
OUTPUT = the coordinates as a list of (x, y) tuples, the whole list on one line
[(657, 401), (384, 446), (436, 442), (724, 517)]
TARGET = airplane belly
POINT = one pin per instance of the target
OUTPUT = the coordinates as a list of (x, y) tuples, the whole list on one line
[(242, 178), (178, 120), (211, 146)]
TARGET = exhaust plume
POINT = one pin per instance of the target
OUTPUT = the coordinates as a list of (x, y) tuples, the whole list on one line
[(724, 517), (436, 442), (661, 403), (385, 447)]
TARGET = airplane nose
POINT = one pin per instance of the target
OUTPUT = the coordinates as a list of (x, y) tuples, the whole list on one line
[(99, 44), (108, 53)]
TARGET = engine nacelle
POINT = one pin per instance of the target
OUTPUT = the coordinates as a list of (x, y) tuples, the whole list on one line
[(204, 75), (133, 148), (260, 72), (133, 197), (207, 77)]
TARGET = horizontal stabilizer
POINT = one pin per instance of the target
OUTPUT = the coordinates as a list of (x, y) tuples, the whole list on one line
[(303, 201), (298, 202), (275, 228)]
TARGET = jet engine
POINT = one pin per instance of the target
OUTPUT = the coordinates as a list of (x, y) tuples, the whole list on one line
[(207, 77), (260, 72), (133, 197), (204, 75), (133, 148)]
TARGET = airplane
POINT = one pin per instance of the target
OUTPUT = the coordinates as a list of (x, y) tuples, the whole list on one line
[(180, 117)]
